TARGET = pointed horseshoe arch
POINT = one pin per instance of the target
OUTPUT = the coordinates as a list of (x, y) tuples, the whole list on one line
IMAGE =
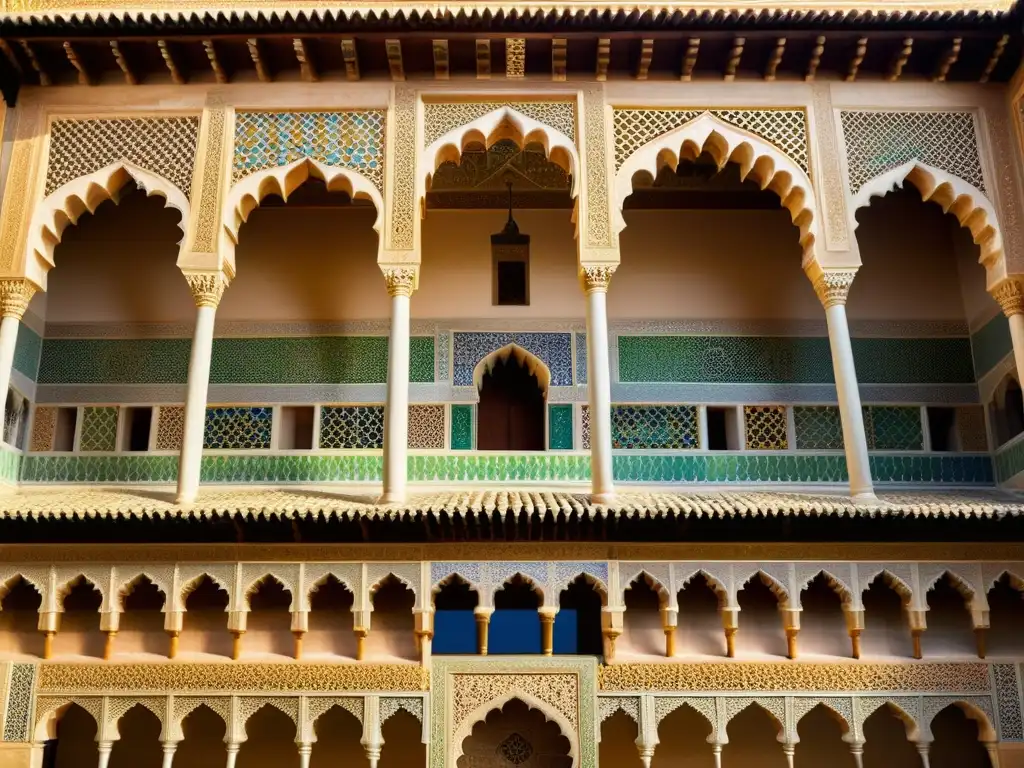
[(247, 194), (758, 160), (533, 364), (502, 123), (970, 205), (478, 715), (66, 205)]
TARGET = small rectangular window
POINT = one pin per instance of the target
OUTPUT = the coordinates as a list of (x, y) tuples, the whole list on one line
[(135, 427), (512, 283), (64, 434), (723, 429), (942, 428), (296, 429)]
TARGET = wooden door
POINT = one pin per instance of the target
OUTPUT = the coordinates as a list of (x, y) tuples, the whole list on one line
[(511, 412)]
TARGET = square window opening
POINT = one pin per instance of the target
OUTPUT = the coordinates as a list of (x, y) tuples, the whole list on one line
[(942, 428), (513, 277), (135, 428), (723, 427), (64, 434), (296, 428)]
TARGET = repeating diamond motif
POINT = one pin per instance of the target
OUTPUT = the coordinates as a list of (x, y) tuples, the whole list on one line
[(893, 428), (818, 428), (877, 142), (352, 426), (238, 428), (99, 430), (654, 426), (765, 427)]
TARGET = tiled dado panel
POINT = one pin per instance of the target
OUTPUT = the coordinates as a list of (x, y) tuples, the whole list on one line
[(794, 360), (473, 467), (27, 351), (285, 360), (1009, 459), (990, 344)]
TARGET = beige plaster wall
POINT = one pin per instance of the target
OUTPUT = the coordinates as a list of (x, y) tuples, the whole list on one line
[(319, 263)]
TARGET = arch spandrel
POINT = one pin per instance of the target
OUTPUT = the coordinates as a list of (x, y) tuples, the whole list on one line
[(971, 207), (65, 206), (758, 159)]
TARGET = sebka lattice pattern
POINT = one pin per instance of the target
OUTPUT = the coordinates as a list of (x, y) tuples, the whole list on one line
[(44, 427), (892, 428), (352, 426), (553, 349), (238, 428), (99, 430), (426, 426), (170, 427), (440, 118), (784, 128), (668, 427), (765, 427), (878, 141), (165, 146), (342, 139), (818, 428)]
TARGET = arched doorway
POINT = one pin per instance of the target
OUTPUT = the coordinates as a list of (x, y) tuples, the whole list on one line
[(516, 735), (511, 412)]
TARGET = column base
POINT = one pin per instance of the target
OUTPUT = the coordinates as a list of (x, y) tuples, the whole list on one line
[(868, 495), (606, 497), (392, 497)]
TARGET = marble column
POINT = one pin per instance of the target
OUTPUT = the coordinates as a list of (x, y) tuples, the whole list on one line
[(832, 287), (15, 294), (207, 289), (400, 284), (595, 281), (170, 747), (1011, 299)]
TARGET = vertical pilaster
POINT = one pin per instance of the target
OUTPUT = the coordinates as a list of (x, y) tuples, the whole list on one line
[(595, 281), (832, 287), (401, 281)]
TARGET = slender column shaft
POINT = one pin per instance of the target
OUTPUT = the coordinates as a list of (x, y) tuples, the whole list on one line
[(191, 456), (396, 414), (170, 747), (14, 298), (305, 752), (483, 624), (595, 282), (547, 633), (716, 751), (857, 750), (105, 748), (922, 750), (1011, 299), (1016, 321), (232, 755)]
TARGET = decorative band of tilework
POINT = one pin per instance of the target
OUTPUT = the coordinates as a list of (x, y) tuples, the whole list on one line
[(795, 360), (553, 349), (780, 467), (238, 428), (654, 427), (273, 360), (353, 139)]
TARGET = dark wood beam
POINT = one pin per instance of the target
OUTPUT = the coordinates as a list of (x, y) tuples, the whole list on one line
[(219, 73), (690, 59), (775, 59), (949, 58), (441, 70), (307, 64), (122, 61), (815, 60), (351, 57), (856, 60), (177, 76), (256, 54), (84, 78)]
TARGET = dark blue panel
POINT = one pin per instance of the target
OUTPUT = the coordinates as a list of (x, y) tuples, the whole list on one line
[(454, 632), (566, 627), (514, 632)]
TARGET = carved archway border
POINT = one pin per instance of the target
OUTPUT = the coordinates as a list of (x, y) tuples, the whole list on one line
[(66, 204), (759, 160), (534, 365), (446, 735), (954, 195), (480, 714)]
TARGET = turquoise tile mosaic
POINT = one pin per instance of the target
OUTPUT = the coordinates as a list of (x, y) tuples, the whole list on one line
[(581, 358), (114, 361), (27, 351), (893, 428), (462, 427), (284, 360), (99, 430), (990, 344), (655, 427), (352, 426), (344, 139), (560, 427), (238, 428), (100, 469), (10, 465), (818, 428), (772, 360), (556, 467), (1010, 460)]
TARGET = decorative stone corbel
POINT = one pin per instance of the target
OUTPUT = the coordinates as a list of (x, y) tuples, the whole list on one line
[(373, 739)]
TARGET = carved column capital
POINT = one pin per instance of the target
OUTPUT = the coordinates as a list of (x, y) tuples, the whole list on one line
[(207, 287), (401, 281), (1010, 297), (597, 277), (15, 294), (833, 286)]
